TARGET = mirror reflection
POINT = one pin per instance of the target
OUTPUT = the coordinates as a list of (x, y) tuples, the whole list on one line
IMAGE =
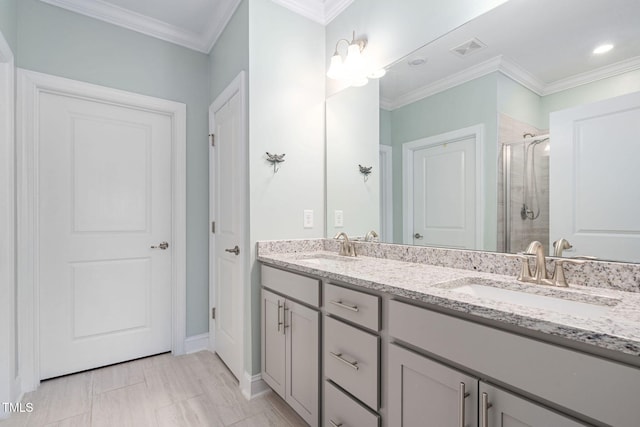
[(509, 129)]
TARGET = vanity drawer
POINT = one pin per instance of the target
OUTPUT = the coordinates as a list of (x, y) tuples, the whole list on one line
[(293, 285), (352, 360), (357, 307), (342, 410)]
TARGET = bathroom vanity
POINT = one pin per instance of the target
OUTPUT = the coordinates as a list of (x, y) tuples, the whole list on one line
[(402, 342)]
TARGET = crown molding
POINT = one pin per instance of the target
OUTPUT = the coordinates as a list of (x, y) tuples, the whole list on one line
[(313, 9), (318, 11), (522, 76), (333, 8), (612, 70), (222, 16), (514, 72), (134, 21), (448, 82)]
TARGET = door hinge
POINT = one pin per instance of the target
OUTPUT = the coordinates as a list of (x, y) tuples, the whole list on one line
[(213, 227), (213, 313), (213, 139)]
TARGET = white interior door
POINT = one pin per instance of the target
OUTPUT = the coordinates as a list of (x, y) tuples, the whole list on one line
[(444, 194), (594, 197), (229, 169), (104, 199)]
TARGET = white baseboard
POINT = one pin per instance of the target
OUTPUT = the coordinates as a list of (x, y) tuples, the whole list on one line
[(196, 343), (253, 386)]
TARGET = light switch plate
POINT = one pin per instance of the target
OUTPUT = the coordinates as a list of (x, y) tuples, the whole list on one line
[(308, 218), (338, 219)]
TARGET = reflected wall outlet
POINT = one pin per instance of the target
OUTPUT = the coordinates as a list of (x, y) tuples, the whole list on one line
[(308, 218), (338, 219)]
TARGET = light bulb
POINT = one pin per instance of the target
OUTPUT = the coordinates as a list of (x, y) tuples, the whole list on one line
[(336, 69), (354, 63)]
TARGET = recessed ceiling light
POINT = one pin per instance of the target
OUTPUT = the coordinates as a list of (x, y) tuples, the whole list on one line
[(602, 49), (416, 62)]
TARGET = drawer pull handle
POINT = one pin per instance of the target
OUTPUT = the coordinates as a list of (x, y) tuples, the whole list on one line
[(484, 410), (353, 365), (462, 396), (334, 424), (280, 323), (343, 305)]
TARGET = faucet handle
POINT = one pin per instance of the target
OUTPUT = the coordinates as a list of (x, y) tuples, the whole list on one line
[(558, 278), (525, 270)]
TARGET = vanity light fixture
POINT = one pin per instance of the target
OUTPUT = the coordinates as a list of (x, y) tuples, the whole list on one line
[(604, 48), (353, 68)]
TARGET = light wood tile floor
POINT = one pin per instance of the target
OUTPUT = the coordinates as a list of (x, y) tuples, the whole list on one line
[(159, 391)]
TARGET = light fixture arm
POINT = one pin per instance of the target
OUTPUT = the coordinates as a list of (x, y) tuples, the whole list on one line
[(361, 43)]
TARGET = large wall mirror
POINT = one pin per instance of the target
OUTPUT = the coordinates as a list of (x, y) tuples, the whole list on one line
[(506, 130)]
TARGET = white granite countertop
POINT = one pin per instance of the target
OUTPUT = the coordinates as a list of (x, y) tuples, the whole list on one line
[(614, 325)]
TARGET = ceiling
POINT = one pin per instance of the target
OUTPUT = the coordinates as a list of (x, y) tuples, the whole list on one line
[(195, 24), (546, 45)]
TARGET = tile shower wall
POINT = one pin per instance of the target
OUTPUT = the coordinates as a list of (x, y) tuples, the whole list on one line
[(523, 231)]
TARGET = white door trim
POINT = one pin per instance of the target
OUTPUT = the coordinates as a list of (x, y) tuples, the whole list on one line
[(30, 85), (386, 193), (238, 85), (408, 150), (9, 388)]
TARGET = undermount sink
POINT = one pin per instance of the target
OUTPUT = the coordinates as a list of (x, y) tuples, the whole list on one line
[(590, 309), (328, 259)]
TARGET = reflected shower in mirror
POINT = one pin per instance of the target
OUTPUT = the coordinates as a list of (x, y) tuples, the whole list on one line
[(506, 73)]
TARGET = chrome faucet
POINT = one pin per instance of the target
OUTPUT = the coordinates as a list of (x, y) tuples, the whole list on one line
[(347, 247), (540, 274), (370, 236)]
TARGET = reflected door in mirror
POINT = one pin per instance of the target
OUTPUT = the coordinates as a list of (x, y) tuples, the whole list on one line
[(595, 198)]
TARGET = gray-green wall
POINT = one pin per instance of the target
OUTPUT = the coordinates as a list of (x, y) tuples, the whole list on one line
[(55, 41), (230, 54), (8, 20)]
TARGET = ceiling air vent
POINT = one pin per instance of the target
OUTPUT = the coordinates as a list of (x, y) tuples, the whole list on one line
[(467, 48)]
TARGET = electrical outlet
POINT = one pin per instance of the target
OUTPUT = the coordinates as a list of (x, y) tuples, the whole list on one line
[(338, 219), (308, 218)]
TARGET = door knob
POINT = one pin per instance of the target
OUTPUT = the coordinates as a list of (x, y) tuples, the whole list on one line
[(235, 250), (418, 236), (163, 246)]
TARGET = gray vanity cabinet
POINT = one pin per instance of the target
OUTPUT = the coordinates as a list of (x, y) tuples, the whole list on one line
[(273, 342), (504, 409), (421, 389), (291, 341)]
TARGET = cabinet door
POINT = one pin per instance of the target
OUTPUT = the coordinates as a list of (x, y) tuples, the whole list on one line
[(273, 342), (508, 410), (424, 392), (303, 369)]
